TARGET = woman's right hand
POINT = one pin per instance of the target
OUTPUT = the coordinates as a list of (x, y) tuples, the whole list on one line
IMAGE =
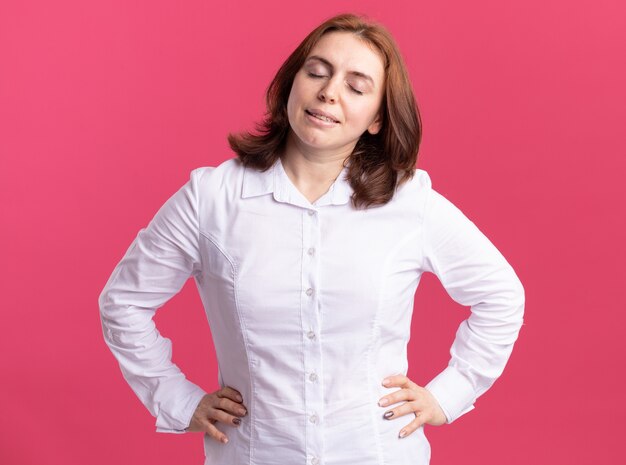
[(223, 405)]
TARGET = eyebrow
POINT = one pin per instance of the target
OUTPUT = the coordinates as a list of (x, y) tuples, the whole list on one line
[(330, 65)]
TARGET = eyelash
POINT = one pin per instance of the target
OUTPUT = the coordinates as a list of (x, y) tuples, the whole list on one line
[(352, 88)]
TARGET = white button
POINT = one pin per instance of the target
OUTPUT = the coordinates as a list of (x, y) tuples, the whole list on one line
[(310, 212), (311, 251), (315, 461), (313, 377), (310, 335), (313, 418), (309, 291)]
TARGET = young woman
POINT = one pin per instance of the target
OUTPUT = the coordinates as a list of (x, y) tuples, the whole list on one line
[(307, 249)]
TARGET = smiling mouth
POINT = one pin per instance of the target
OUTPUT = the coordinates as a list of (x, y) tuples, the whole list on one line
[(320, 117)]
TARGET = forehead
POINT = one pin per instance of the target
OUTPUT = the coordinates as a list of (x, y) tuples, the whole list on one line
[(346, 51)]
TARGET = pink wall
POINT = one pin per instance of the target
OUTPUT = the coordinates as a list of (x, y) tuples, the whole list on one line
[(105, 107)]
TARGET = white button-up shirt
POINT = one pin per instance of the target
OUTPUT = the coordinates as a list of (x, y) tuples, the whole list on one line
[(309, 306)]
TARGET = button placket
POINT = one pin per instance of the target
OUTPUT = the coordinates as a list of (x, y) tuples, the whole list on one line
[(312, 367)]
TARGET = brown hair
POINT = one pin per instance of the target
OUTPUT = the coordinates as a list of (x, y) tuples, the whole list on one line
[(379, 162)]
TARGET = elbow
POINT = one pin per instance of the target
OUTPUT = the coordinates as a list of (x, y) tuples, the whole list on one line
[(518, 302), (106, 316), (102, 301), (516, 292), (520, 293), (515, 303)]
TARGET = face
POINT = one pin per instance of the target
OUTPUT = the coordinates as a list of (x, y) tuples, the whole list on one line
[(342, 77)]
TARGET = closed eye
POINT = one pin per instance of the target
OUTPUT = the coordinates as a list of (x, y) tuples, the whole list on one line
[(317, 76)]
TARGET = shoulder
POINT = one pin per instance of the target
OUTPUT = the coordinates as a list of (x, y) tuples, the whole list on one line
[(439, 211), (421, 179), (420, 183), (412, 194), (211, 178), (421, 186), (419, 194), (227, 168)]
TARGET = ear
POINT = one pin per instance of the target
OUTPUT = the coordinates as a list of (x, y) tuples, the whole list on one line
[(375, 126)]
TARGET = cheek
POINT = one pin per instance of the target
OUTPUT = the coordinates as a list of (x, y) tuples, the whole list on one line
[(294, 99), (363, 113), (291, 103)]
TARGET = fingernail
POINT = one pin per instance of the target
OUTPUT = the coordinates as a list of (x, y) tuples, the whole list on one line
[(236, 421), (224, 440), (386, 381), (383, 402), (388, 414), (239, 398), (402, 434)]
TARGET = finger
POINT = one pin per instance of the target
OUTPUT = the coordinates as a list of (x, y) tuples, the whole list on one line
[(224, 417), (398, 380), (392, 380), (397, 396), (216, 433), (401, 410), (228, 405), (412, 426), (231, 393)]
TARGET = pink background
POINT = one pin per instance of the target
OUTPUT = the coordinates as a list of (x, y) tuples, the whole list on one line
[(105, 107)]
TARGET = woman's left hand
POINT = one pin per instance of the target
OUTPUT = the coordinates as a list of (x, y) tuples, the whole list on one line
[(420, 402)]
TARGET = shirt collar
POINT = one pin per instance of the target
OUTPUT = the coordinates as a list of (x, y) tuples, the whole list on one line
[(275, 180)]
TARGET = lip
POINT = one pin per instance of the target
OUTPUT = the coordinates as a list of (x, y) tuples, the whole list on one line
[(318, 122), (322, 113)]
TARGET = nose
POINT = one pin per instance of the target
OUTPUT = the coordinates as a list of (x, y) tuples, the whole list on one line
[(325, 96), (328, 92)]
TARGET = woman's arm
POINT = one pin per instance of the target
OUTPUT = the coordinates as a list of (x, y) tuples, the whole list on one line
[(474, 273), (156, 265)]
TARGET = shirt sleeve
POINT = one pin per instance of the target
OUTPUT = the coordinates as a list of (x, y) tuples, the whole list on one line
[(154, 268), (474, 273)]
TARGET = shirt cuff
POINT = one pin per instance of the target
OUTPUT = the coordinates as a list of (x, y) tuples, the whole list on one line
[(454, 393), (178, 418)]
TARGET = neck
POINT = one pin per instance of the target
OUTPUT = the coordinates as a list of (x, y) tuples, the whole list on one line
[(310, 169)]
